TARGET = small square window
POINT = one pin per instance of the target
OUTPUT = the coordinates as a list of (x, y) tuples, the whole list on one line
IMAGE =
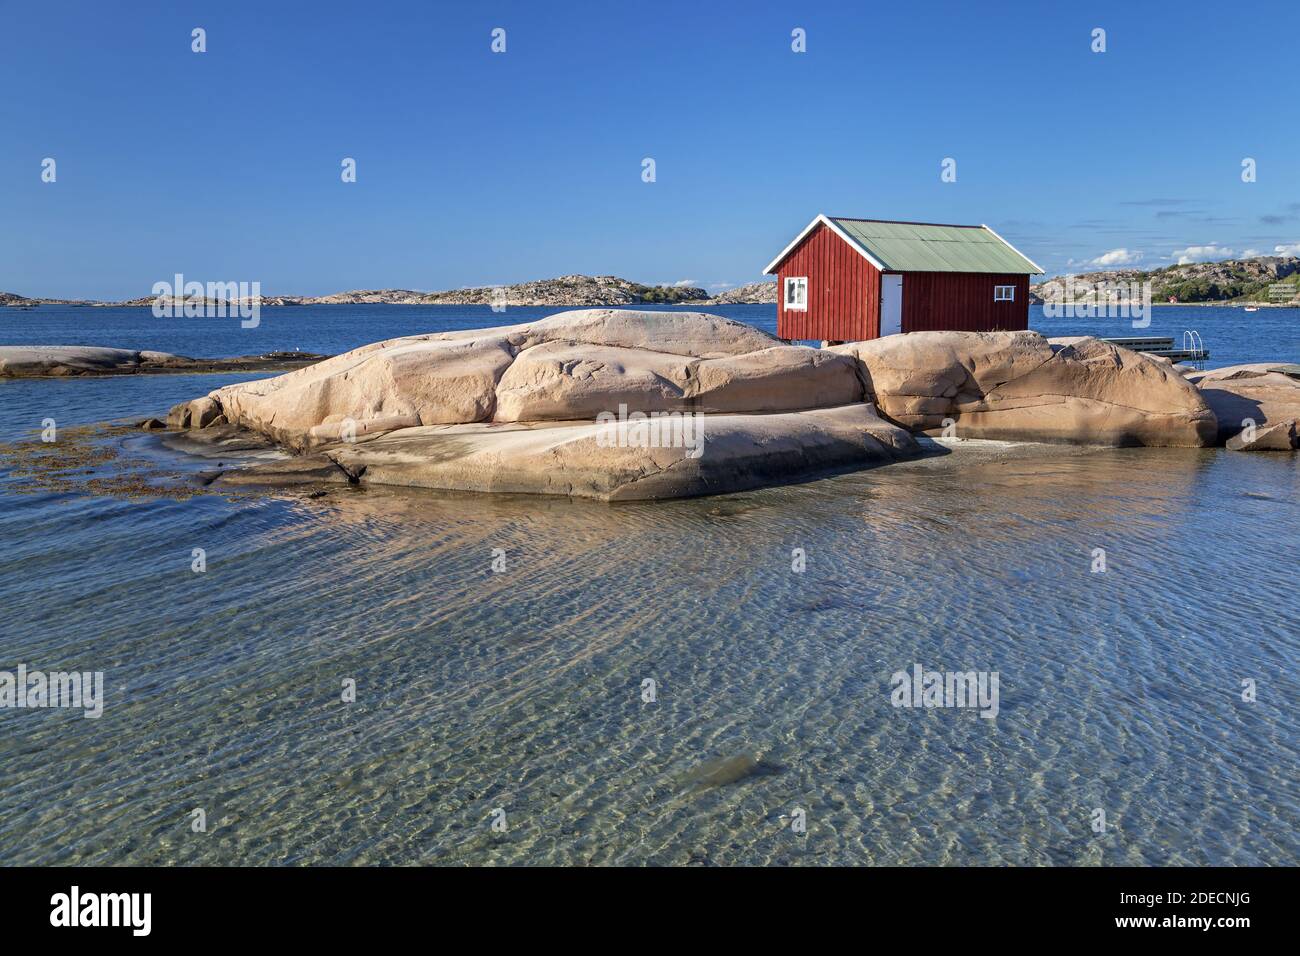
[(1004, 293), (796, 293)]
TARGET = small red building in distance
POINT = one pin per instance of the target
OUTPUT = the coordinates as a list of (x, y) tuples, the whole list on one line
[(844, 280)]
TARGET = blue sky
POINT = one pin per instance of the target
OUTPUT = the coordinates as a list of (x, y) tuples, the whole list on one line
[(476, 168)]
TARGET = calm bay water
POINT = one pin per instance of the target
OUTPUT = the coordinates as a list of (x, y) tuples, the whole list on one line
[(1232, 335), (522, 690)]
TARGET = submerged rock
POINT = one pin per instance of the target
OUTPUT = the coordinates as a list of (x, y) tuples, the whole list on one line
[(300, 470), (727, 770), (220, 439)]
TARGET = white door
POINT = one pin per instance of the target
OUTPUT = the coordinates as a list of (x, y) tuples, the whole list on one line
[(891, 303)]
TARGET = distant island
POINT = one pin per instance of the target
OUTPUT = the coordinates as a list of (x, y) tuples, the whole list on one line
[(565, 292), (1265, 280)]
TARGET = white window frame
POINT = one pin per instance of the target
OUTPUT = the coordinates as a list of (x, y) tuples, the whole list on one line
[(1004, 293), (800, 285)]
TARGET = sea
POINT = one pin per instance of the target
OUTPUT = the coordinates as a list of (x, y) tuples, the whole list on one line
[(396, 677)]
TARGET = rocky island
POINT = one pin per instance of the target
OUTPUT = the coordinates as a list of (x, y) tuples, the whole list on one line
[(755, 293), (562, 292), (1263, 280), (531, 408)]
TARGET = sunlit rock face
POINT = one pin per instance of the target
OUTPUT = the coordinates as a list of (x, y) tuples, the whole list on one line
[(567, 367), (523, 408), (560, 406), (720, 454), (1263, 395), (1021, 386)]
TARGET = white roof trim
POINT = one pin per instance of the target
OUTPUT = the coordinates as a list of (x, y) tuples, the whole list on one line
[(1014, 249), (823, 220)]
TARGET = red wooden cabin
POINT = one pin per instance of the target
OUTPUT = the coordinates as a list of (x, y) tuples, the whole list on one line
[(843, 280)]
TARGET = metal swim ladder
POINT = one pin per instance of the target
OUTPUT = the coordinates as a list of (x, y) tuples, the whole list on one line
[(1194, 345)]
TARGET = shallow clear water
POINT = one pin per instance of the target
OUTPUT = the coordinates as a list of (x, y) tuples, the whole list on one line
[(522, 690)]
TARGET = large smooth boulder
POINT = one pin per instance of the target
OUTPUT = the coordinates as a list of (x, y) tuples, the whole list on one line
[(569, 381), (1262, 394), (569, 366), (1279, 437), (402, 382), (1021, 386), (778, 379), (566, 380), (721, 453), (919, 378), (528, 408)]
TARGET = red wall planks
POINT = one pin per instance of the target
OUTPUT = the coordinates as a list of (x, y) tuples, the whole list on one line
[(962, 301), (844, 296), (843, 291)]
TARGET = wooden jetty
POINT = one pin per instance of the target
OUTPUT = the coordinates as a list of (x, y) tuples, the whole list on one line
[(1192, 349)]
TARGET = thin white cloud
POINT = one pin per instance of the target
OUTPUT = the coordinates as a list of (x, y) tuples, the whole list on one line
[(1206, 253), (684, 283), (1290, 249), (1116, 257)]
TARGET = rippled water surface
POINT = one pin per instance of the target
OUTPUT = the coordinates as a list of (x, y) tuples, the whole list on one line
[(522, 690)]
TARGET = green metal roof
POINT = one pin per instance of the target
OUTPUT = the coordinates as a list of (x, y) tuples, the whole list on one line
[(923, 247)]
